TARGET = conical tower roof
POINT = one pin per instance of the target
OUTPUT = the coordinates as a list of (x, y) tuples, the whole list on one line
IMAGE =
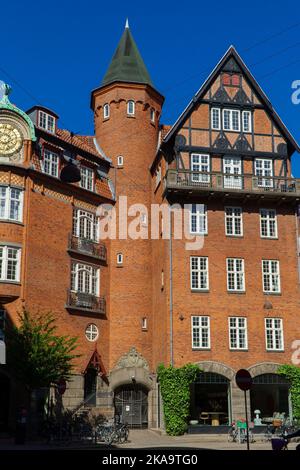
[(127, 64)]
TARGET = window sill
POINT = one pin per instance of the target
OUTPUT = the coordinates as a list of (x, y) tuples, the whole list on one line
[(105, 119), (234, 236), (238, 350), (269, 238), (275, 350), (200, 291), (4, 281), (201, 349), (236, 292), (119, 266), (9, 221), (272, 293), (130, 115)]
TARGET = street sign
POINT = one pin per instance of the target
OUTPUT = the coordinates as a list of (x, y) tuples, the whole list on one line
[(61, 386), (243, 379)]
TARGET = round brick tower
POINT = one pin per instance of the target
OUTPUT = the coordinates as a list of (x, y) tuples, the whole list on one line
[(126, 116)]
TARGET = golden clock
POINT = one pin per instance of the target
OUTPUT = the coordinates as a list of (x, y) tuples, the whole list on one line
[(10, 139)]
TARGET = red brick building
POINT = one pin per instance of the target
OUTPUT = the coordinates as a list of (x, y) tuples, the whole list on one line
[(134, 303)]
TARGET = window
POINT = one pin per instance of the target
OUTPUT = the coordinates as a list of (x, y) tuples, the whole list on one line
[(271, 276), (235, 274), (85, 225), (106, 111), (232, 166), (87, 178), (200, 163), (120, 258), (215, 118), (11, 203), (91, 332), (228, 79), (231, 120), (268, 223), (84, 278), (233, 221), (157, 176), (274, 334), (10, 258), (120, 160), (200, 332), (264, 170), (144, 323), (246, 118), (131, 107), (199, 273), (50, 163), (47, 122), (162, 280), (152, 115), (238, 333), (198, 219)]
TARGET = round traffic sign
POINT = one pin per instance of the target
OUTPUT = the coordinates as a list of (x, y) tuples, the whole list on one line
[(243, 379)]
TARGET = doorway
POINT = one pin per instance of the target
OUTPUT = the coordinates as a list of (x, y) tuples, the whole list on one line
[(131, 404), (90, 386)]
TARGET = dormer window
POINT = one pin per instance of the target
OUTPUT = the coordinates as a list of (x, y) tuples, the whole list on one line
[(131, 108), (106, 111), (87, 178), (47, 122), (50, 163)]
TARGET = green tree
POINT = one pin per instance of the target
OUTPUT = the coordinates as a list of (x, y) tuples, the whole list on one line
[(175, 391), (37, 355), (292, 373)]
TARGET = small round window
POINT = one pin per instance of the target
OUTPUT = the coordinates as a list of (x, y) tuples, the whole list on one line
[(91, 332)]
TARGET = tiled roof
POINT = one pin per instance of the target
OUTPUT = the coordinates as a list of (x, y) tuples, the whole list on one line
[(83, 142)]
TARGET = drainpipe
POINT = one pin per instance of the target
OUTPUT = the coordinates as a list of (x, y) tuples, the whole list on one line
[(297, 214), (171, 289)]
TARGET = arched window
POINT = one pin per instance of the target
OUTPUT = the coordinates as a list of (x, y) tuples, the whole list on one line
[(84, 279), (106, 111), (131, 107), (85, 225)]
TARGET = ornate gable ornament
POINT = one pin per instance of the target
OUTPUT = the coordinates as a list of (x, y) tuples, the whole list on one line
[(231, 66), (242, 144), (221, 96), (132, 359), (221, 142), (241, 98)]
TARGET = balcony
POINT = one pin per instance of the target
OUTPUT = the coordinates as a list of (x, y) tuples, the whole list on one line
[(88, 303), (87, 247), (235, 185)]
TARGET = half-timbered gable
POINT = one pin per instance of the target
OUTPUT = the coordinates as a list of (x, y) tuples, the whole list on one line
[(229, 136)]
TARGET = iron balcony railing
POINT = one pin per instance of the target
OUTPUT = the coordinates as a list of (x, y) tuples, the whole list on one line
[(85, 301), (88, 247), (216, 181)]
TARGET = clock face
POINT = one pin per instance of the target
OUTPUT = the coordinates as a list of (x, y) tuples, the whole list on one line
[(10, 139)]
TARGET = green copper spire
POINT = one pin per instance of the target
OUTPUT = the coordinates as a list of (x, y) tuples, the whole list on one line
[(127, 64)]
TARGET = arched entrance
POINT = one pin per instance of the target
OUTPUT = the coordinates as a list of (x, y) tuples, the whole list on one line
[(131, 404), (270, 395), (210, 399), (4, 401)]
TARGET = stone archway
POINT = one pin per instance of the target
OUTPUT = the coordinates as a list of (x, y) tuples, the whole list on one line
[(217, 368), (263, 368)]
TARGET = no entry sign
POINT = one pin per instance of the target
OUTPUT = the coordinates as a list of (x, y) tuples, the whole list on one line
[(243, 379)]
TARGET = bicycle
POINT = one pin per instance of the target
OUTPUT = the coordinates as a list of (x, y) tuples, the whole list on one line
[(232, 433)]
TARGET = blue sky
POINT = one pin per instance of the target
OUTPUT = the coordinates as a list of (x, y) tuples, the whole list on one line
[(54, 53)]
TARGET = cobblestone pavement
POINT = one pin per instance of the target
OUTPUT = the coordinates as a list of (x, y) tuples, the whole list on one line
[(147, 438)]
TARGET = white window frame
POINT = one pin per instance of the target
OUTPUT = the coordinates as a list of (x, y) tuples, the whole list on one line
[(152, 115), (85, 225), (106, 111), (120, 258), (92, 332), (87, 180), (120, 160), (4, 257), (230, 127), (236, 274), (131, 108), (249, 114), (200, 274), (50, 160), (144, 323), (271, 334), (271, 276), (91, 278), (198, 219), (200, 328), (203, 164), (46, 122), (234, 218), (237, 329), (214, 118), (268, 223), (6, 203), (232, 169), (263, 179)]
